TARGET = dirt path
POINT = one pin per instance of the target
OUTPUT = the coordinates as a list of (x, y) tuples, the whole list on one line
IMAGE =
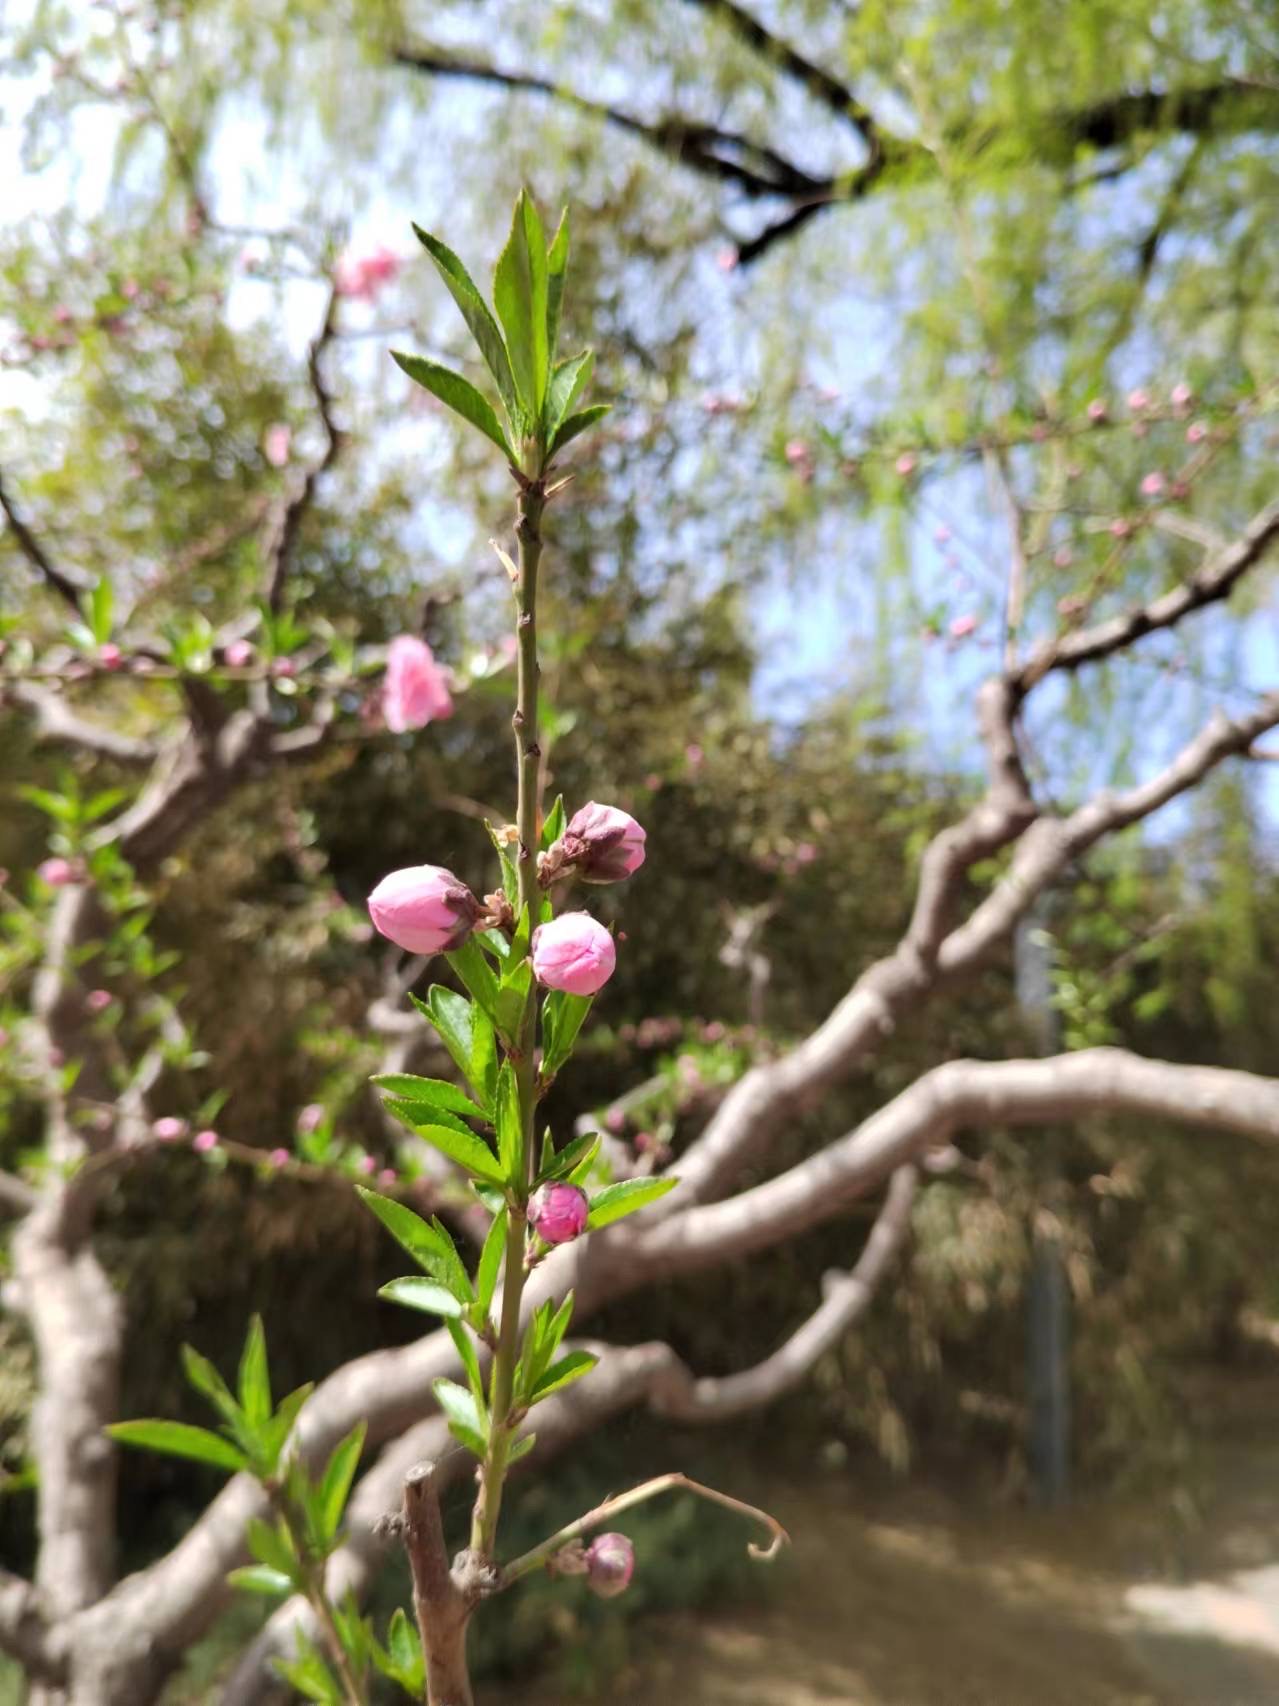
[(926, 1600)]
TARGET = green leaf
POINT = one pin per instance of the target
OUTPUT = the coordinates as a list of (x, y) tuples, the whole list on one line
[(280, 1426), (272, 1547), (438, 1092), (476, 973), (464, 1345), (475, 312), (428, 1242), (490, 1265), (553, 827), (310, 1675), (201, 1374), (97, 607), (568, 382), (465, 1421), (467, 1033), (562, 1018), (564, 1373), (405, 1646), (556, 268), (523, 1445), (510, 1126), (458, 394), (579, 1153), (418, 1114), (518, 946), (424, 1294), (177, 1439), (254, 1380), (614, 1201), (513, 998), (520, 297), (335, 1483), (470, 1152), (576, 424), (257, 1578)]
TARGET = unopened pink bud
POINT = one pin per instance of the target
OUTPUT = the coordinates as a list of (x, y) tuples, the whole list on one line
[(1098, 409), (1196, 432), (1063, 557), (414, 690), (1153, 485), (1181, 394), (574, 952), (57, 873), (796, 451), (962, 627), (610, 1564), (279, 1157), (110, 656), (558, 1213), (726, 259), (615, 1121), (276, 442), (424, 909), (205, 1141), (312, 1117), (905, 464), (1138, 400), (367, 1165), (284, 668), (169, 1129), (98, 1000), (602, 843), (238, 653), (387, 1177), (1120, 528)]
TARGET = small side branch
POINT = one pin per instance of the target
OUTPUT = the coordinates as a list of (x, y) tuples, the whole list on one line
[(288, 520), (55, 720), (64, 582)]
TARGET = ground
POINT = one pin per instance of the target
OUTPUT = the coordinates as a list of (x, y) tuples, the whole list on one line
[(930, 1598)]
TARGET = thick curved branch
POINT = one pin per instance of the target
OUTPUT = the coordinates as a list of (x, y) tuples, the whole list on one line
[(846, 1298), (55, 720), (24, 1630), (930, 1114)]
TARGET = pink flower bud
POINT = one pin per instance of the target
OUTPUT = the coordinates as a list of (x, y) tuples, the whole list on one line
[(905, 464), (726, 259), (1152, 485), (796, 451), (367, 1165), (57, 873), (1138, 400), (98, 1000), (276, 442), (1120, 528), (610, 1563), (602, 843), (387, 1177), (962, 627), (110, 656), (1098, 409), (283, 668), (237, 654), (1181, 394), (364, 275), (1063, 557), (205, 1142), (169, 1129), (574, 952), (424, 909), (414, 691), (279, 1157), (942, 534), (1196, 432), (694, 756), (615, 1121), (558, 1213), (312, 1117)]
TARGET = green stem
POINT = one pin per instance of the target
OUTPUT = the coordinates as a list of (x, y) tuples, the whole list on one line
[(528, 760), (530, 1561), (318, 1599)]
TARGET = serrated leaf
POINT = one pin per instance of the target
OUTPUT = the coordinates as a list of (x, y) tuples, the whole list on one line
[(509, 1117), (206, 1380), (577, 424), (465, 1421), (568, 382), (490, 1265), (467, 1034), (476, 974), (475, 311), (277, 1430), (457, 394), (178, 1439), (556, 269), (464, 1345), (257, 1578), (436, 1091), (513, 999), (418, 1114), (579, 1153), (563, 1016), (563, 1373), (335, 1483), (254, 1380), (615, 1201), (427, 1241), (428, 1296), (520, 297), (471, 1153)]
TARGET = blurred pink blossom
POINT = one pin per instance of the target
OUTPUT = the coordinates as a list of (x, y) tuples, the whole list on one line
[(1153, 484), (1098, 409), (905, 464), (205, 1141), (110, 656), (363, 275), (1196, 432), (238, 653), (279, 1157), (1138, 399), (168, 1129), (57, 873), (962, 627), (726, 260), (312, 1117), (414, 690), (276, 442), (367, 1164), (1181, 394), (98, 1000), (694, 756), (387, 1177), (1120, 528)]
